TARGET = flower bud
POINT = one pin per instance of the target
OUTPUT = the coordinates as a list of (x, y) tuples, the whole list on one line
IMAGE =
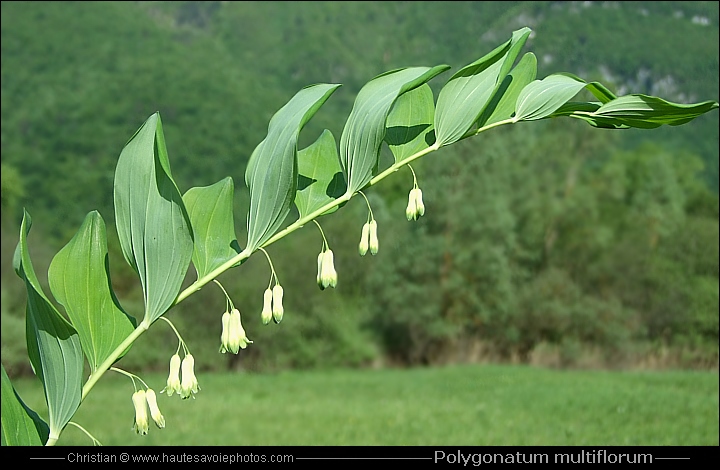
[(329, 275), (266, 314), (154, 409), (141, 415), (374, 245), (277, 306), (321, 256), (225, 335), (419, 202), (173, 381), (189, 385), (364, 239), (233, 344), (411, 210)]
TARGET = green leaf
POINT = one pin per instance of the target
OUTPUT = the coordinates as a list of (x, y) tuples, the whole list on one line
[(210, 209), (550, 98), (53, 344), (272, 170), (79, 278), (583, 110), (599, 90), (642, 111), (543, 97), (21, 426), (648, 112), (320, 178), (502, 104), (464, 97), (153, 227), (410, 123), (364, 130)]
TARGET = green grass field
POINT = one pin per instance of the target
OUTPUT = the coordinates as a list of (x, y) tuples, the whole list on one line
[(472, 405)]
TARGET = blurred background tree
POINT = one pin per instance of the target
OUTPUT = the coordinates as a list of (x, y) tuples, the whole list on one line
[(548, 243)]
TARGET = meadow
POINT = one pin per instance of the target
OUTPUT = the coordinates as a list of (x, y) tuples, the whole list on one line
[(468, 405)]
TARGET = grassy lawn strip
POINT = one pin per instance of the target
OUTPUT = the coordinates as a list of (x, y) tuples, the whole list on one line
[(454, 405)]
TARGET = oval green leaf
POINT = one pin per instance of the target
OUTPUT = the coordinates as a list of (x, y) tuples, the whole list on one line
[(52, 342), (79, 278), (272, 170), (210, 209), (364, 130), (21, 426), (320, 177), (464, 97), (410, 123), (648, 112), (153, 227), (543, 97)]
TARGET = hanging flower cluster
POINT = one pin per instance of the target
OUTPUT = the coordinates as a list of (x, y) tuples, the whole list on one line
[(368, 235), (233, 337), (143, 398), (326, 276), (187, 386), (415, 207), (272, 297), (369, 238), (272, 305)]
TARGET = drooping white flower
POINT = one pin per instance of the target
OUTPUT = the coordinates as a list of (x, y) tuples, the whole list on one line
[(419, 202), (237, 338), (173, 381), (415, 207), (320, 259), (364, 239), (225, 335), (154, 409), (233, 337), (189, 384), (373, 241), (266, 314), (328, 276), (277, 306), (141, 415), (411, 210)]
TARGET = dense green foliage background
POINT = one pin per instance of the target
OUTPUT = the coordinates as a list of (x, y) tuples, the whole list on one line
[(547, 242)]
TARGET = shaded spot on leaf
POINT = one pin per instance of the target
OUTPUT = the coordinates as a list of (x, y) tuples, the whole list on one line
[(304, 182), (337, 186), (400, 135), (430, 138), (495, 100)]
